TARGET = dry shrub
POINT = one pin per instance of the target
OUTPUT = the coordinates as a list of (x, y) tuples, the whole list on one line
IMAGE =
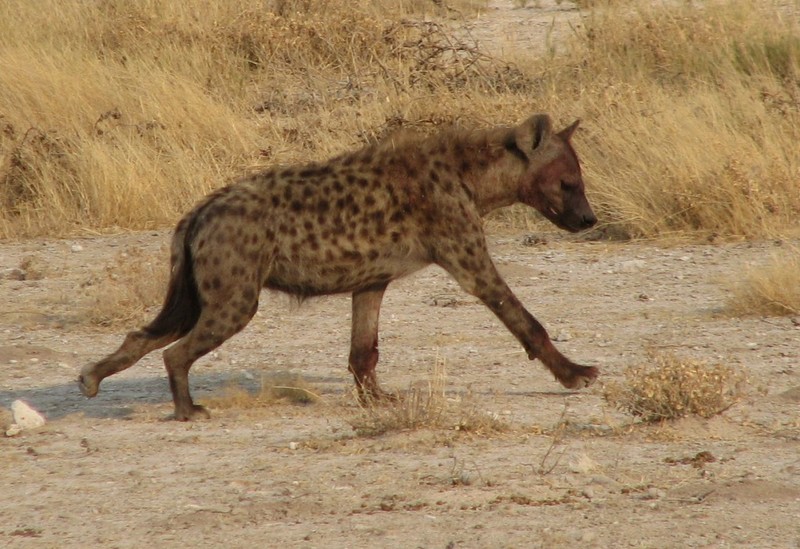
[(273, 389), (127, 289), (670, 388), (428, 408), (771, 289)]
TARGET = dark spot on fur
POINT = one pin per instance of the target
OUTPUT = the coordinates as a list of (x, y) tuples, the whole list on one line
[(467, 190)]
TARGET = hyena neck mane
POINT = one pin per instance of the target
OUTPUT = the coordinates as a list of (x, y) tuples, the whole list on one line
[(481, 160)]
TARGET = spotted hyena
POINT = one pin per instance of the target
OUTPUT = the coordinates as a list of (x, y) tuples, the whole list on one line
[(353, 225)]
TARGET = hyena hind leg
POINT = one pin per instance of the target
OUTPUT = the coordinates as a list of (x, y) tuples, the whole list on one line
[(136, 345), (208, 334)]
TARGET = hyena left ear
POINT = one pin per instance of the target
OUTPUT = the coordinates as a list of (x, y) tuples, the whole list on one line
[(566, 133), (533, 132)]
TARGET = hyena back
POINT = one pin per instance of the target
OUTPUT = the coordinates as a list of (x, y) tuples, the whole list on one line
[(352, 225)]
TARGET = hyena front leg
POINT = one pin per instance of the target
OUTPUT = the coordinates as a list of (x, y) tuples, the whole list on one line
[(477, 275), (364, 341)]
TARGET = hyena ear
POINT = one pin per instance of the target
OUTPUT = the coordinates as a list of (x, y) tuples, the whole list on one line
[(533, 132), (566, 133)]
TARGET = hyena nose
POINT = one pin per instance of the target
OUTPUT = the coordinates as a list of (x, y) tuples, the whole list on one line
[(588, 220)]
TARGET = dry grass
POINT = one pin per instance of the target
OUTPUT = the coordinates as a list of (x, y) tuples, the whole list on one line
[(670, 388), (428, 408), (772, 289), (287, 388), (119, 114), (696, 118)]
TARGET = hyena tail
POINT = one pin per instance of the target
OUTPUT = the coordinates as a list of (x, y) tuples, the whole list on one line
[(177, 317), (182, 306)]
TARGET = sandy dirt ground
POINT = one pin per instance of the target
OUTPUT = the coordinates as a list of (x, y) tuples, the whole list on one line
[(568, 469)]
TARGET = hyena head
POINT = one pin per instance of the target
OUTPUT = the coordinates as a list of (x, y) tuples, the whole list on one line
[(552, 182)]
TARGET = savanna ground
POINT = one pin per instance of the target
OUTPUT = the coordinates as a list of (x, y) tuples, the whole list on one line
[(690, 148)]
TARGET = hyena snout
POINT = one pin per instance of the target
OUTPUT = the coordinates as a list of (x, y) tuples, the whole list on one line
[(578, 219), (587, 220)]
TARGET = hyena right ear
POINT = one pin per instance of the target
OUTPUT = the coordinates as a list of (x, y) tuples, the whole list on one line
[(533, 132)]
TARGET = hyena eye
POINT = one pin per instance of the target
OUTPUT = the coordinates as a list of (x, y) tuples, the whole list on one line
[(567, 186)]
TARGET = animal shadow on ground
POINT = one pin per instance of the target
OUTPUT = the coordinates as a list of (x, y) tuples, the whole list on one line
[(121, 397)]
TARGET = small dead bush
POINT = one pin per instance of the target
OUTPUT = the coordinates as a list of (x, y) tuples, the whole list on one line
[(771, 289), (288, 388), (671, 388), (426, 408)]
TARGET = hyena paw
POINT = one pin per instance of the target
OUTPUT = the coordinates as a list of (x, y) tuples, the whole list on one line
[(88, 382), (195, 411), (580, 377)]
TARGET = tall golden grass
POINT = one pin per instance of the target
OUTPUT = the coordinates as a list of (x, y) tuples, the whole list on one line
[(117, 114), (769, 289)]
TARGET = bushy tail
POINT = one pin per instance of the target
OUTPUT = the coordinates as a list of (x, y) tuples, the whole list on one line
[(181, 307)]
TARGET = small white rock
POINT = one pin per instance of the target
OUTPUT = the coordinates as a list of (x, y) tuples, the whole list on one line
[(563, 335), (25, 416), (293, 446), (13, 430), (76, 248)]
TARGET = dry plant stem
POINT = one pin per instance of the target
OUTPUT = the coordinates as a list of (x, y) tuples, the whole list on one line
[(556, 438)]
